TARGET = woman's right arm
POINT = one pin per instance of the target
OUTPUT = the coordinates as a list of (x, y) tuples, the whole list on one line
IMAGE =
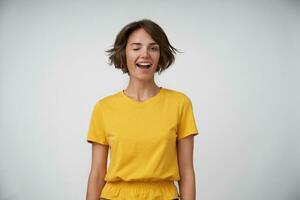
[(98, 171)]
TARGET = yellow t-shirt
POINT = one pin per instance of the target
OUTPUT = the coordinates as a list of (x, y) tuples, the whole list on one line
[(142, 135)]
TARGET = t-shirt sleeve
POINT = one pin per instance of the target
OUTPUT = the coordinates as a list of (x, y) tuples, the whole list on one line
[(96, 130), (186, 125)]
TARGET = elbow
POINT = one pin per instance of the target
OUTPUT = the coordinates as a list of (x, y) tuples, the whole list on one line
[(187, 172), (98, 175)]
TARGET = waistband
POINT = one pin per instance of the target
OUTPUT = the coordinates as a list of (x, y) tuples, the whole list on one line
[(140, 190), (141, 184)]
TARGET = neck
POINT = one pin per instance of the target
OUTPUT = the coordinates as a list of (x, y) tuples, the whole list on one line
[(141, 90)]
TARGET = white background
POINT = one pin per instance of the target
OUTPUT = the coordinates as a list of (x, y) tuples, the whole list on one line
[(240, 67)]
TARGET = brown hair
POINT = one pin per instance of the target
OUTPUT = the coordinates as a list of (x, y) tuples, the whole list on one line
[(117, 55)]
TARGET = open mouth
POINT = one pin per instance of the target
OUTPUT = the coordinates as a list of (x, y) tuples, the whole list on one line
[(144, 65)]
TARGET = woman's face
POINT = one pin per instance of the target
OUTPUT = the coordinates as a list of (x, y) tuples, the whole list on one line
[(142, 55)]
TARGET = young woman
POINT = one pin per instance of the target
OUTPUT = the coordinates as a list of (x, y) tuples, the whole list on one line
[(147, 128)]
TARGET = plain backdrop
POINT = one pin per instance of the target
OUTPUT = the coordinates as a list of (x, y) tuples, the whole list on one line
[(240, 67)]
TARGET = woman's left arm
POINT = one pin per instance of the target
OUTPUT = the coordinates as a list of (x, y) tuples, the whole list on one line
[(187, 183)]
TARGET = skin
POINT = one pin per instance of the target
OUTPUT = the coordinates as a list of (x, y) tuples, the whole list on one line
[(141, 47), (187, 183), (98, 171)]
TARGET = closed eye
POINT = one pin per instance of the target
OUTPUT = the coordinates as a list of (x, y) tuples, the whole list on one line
[(152, 49)]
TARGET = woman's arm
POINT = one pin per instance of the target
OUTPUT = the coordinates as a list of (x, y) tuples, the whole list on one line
[(187, 183), (98, 171)]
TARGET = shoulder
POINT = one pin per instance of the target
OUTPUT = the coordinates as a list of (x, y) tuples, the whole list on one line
[(108, 99), (178, 96)]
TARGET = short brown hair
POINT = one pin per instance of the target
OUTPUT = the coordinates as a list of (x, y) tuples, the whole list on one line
[(117, 55)]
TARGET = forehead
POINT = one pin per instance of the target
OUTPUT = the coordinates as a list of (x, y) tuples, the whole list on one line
[(139, 37)]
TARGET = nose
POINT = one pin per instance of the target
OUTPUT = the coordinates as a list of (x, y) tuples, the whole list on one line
[(145, 53)]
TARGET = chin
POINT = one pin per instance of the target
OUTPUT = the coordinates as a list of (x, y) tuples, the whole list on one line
[(144, 76)]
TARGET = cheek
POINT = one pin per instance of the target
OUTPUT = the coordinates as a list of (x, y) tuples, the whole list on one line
[(156, 57), (130, 58)]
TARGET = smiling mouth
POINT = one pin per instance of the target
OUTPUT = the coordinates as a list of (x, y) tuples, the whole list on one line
[(143, 66)]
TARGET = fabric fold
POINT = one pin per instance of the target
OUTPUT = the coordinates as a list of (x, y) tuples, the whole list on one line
[(140, 190)]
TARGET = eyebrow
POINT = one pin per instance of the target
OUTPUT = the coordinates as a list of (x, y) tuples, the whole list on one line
[(137, 43)]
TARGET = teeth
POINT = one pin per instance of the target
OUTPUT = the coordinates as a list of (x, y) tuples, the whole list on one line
[(147, 65)]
